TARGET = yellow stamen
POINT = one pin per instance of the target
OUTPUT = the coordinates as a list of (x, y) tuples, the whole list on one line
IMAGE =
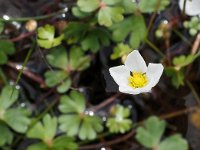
[(137, 80)]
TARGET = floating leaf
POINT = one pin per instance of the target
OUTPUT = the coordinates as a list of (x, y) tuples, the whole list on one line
[(153, 5), (151, 133), (134, 27), (46, 37), (75, 121), (120, 122)]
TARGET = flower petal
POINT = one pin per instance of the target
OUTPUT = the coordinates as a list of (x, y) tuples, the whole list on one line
[(135, 62), (120, 74), (154, 72), (192, 7), (128, 90)]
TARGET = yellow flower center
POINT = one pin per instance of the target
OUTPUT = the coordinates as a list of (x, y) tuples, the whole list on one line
[(137, 80)]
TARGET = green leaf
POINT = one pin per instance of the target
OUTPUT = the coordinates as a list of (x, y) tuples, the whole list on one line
[(134, 27), (89, 128), (78, 13), (75, 31), (109, 15), (64, 86), (46, 37), (94, 39), (120, 122), (88, 5), (8, 96), (111, 2), (153, 5), (74, 103), (76, 121), (129, 6), (6, 135), (53, 78), (17, 119), (77, 59), (38, 146), (175, 142), (150, 135), (182, 61), (6, 48), (177, 76), (1, 26), (47, 32), (70, 124), (44, 131), (3, 58), (120, 50), (57, 57), (60, 143)]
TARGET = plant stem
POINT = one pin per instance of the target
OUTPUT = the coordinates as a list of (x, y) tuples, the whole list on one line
[(157, 50), (196, 96), (181, 36), (153, 16), (25, 63), (24, 19), (184, 6), (109, 143), (106, 102)]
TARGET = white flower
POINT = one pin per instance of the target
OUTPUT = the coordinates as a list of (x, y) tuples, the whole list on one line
[(192, 7), (135, 77)]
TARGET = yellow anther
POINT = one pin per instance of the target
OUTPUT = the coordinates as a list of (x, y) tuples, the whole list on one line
[(137, 80)]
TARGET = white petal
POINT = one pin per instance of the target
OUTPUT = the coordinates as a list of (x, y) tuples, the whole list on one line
[(135, 62), (192, 7), (120, 74), (154, 72), (129, 90)]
